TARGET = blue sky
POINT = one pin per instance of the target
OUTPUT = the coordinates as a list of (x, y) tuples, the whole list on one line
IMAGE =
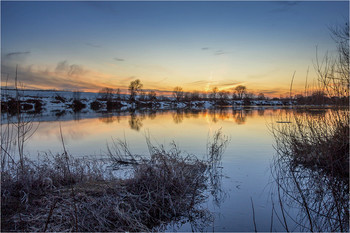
[(196, 45)]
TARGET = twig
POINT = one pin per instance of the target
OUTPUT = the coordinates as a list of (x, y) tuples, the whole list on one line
[(251, 199)]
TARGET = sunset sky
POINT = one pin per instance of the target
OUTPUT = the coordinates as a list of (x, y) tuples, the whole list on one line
[(196, 45)]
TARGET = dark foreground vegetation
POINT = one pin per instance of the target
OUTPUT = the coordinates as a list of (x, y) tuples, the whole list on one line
[(63, 193), (311, 168)]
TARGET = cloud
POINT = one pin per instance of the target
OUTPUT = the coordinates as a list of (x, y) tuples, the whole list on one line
[(118, 59), (18, 56), (276, 92), (222, 85), (65, 76), (217, 52), (70, 70), (220, 52), (92, 45), (231, 84), (199, 82), (283, 6)]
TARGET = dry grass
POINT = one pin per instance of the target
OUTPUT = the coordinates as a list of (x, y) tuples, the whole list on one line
[(316, 141), (61, 193), (311, 170)]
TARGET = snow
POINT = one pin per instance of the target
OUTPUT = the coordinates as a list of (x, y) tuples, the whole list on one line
[(56, 104)]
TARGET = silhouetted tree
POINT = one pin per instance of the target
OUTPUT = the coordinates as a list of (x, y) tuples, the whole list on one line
[(318, 97), (261, 96), (117, 93), (152, 96), (214, 93), (178, 93), (195, 96), (223, 97), (234, 96), (134, 88), (187, 97), (142, 96), (241, 90), (107, 93)]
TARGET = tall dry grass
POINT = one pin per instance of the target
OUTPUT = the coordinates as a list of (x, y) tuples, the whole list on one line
[(311, 168)]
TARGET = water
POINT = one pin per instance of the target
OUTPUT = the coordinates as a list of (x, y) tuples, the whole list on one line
[(246, 164)]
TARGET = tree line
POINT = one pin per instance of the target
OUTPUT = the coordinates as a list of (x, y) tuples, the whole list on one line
[(178, 94), (239, 93)]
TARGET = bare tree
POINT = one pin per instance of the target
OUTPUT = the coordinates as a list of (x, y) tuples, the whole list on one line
[(333, 71), (234, 96), (214, 93), (134, 88), (195, 96), (117, 92), (107, 93), (178, 93), (223, 96), (152, 96), (261, 96), (241, 90)]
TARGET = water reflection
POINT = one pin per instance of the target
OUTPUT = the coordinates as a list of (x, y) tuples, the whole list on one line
[(239, 116), (245, 167), (135, 121), (311, 169), (109, 118), (178, 116), (322, 200)]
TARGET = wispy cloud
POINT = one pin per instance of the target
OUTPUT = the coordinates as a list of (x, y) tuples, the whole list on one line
[(274, 92), (220, 52), (70, 70), (199, 82), (231, 84), (283, 6), (216, 52), (16, 54), (63, 76), (118, 59), (222, 85), (93, 45)]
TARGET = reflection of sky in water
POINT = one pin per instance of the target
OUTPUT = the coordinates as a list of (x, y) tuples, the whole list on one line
[(189, 129), (246, 161)]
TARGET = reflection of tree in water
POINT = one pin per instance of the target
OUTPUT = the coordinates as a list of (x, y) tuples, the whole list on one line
[(178, 116), (152, 114), (219, 114), (135, 121), (109, 118), (261, 111), (76, 116), (239, 116), (213, 115)]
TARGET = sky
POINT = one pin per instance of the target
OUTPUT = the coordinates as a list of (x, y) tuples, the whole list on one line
[(89, 45)]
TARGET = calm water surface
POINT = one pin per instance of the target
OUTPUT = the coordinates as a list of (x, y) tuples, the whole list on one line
[(246, 162)]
